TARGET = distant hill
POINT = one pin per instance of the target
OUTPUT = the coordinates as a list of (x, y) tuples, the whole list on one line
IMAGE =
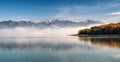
[(46, 23), (113, 28)]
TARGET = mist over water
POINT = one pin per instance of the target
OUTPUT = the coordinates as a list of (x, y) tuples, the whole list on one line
[(40, 32), (37, 32)]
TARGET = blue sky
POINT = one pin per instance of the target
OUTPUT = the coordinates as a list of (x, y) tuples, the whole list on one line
[(75, 10)]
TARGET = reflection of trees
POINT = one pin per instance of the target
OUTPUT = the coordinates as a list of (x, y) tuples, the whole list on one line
[(111, 42), (85, 39)]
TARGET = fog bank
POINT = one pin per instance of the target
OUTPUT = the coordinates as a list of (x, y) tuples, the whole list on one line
[(36, 32)]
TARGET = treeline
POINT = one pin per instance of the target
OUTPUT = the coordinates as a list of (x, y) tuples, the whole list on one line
[(113, 28)]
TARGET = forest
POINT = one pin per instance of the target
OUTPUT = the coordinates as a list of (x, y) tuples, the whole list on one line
[(112, 28)]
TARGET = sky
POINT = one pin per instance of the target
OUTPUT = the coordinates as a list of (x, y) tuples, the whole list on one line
[(74, 10)]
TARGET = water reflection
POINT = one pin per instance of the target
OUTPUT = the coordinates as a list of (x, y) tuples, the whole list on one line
[(69, 49), (109, 42), (38, 43), (45, 44), (56, 44)]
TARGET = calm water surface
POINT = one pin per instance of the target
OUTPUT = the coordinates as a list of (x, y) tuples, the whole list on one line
[(60, 49)]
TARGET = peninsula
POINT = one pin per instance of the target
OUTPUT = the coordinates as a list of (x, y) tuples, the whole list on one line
[(102, 30)]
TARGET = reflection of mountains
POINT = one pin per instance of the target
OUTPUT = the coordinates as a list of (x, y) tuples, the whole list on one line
[(41, 46), (110, 42)]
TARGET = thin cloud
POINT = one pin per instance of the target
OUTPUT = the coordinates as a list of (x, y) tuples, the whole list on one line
[(114, 19), (67, 13), (81, 12), (115, 13)]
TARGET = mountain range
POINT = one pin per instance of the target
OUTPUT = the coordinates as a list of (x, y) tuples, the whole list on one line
[(46, 23)]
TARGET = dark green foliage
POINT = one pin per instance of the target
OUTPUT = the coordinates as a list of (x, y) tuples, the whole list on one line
[(102, 29)]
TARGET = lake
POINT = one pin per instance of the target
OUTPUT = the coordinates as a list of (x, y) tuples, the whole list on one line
[(60, 49)]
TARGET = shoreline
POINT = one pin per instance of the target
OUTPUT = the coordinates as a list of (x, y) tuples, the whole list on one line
[(96, 35)]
